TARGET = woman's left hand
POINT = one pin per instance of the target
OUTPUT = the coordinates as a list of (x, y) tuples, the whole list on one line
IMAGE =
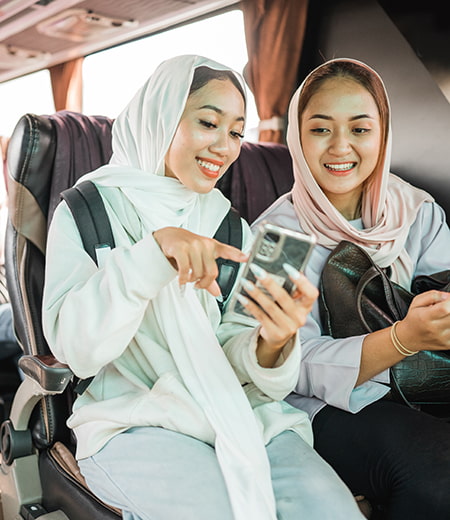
[(280, 315)]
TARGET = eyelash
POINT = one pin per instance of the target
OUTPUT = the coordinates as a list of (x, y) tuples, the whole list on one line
[(358, 131), (208, 124)]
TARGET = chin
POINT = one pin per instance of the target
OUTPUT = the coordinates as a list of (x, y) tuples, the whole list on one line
[(204, 189), (207, 190)]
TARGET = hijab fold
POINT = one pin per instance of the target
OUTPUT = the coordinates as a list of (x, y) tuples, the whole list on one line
[(142, 199), (389, 205)]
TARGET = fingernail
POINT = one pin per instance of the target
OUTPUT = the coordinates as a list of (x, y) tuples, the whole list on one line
[(248, 285), (259, 272), (242, 299), (291, 271), (182, 289), (219, 298)]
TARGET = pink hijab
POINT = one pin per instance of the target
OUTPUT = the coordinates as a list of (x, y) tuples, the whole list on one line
[(389, 206)]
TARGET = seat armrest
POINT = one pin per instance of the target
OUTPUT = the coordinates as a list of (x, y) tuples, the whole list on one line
[(47, 372), (44, 376)]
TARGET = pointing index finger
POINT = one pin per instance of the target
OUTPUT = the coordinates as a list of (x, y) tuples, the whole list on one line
[(230, 253)]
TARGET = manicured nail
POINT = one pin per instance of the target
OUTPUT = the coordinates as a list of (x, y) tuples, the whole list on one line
[(242, 299), (291, 271), (182, 289), (248, 285), (219, 298), (258, 271)]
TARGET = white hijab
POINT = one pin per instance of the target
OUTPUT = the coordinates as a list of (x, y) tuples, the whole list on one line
[(141, 138), (389, 206)]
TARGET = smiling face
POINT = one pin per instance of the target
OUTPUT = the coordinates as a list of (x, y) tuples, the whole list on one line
[(208, 138), (341, 135)]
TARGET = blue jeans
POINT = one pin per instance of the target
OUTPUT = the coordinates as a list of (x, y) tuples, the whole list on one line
[(157, 474)]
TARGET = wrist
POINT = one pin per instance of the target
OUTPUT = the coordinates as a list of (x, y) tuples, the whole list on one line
[(274, 346), (268, 353), (400, 340)]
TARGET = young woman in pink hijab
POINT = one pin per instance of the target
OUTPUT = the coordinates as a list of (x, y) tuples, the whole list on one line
[(340, 140)]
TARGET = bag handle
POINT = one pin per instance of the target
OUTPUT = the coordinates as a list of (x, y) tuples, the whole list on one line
[(370, 275)]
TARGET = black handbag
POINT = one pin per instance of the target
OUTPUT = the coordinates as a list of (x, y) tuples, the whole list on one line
[(357, 297)]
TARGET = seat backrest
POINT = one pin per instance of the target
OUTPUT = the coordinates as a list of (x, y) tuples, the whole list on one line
[(260, 175), (46, 155)]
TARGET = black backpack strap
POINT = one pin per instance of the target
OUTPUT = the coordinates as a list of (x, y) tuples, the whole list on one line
[(89, 213), (229, 232)]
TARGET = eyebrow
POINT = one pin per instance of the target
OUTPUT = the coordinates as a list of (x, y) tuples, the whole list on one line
[(219, 111), (329, 118)]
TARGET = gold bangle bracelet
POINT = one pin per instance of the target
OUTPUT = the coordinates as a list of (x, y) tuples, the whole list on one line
[(398, 344)]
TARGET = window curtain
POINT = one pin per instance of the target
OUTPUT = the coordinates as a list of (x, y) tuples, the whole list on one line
[(274, 32), (67, 85)]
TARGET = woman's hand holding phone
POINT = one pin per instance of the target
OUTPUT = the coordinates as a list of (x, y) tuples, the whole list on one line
[(273, 289), (279, 312)]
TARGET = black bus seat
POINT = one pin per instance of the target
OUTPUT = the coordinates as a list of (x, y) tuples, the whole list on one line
[(260, 175), (46, 155)]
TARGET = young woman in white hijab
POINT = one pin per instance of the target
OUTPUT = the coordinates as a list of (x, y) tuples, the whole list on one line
[(176, 424), (340, 141)]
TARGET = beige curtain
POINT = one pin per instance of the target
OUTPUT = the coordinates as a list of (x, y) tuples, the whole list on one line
[(67, 85), (274, 32)]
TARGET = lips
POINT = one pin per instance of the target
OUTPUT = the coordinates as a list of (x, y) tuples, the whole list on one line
[(340, 168), (209, 167)]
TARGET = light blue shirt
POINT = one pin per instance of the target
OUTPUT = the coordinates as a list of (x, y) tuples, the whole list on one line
[(330, 367)]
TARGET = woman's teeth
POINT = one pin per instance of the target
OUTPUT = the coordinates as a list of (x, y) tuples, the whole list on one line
[(340, 167), (208, 165)]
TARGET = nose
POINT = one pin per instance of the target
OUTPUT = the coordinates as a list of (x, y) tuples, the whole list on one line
[(221, 143), (339, 145)]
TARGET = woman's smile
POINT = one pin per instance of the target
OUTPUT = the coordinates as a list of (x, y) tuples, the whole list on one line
[(340, 169), (209, 167)]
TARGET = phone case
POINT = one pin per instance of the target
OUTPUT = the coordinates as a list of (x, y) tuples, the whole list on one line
[(273, 246)]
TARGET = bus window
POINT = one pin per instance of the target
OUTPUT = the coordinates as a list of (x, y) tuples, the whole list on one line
[(31, 93), (111, 77)]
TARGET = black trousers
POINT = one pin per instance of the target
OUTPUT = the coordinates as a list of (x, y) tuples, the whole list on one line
[(394, 455)]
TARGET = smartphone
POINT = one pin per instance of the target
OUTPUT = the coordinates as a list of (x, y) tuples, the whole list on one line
[(273, 246)]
